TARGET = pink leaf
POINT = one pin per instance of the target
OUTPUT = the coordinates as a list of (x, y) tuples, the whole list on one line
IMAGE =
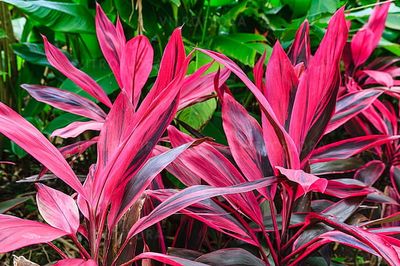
[(16, 233), (76, 128), (66, 101), (300, 52), (59, 61), (30, 139), (171, 63), (316, 94), (281, 85), (112, 41), (57, 209), (380, 77), (198, 87), (365, 40), (350, 105), (307, 182), (75, 262), (167, 259), (190, 196), (348, 147), (245, 140), (136, 64)]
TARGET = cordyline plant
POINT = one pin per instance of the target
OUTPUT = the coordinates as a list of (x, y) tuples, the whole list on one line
[(125, 166), (297, 104)]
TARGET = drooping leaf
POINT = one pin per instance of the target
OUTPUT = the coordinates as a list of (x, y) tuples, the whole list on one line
[(16, 233), (76, 128), (66, 101), (350, 105), (307, 182), (59, 61), (59, 16), (30, 139), (346, 148), (190, 196)]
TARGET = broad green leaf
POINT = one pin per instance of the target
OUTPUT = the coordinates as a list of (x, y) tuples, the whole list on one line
[(298, 7), (62, 121), (199, 114), (390, 46), (58, 16), (218, 3), (31, 52), (393, 21), (241, 46), (323, 6)]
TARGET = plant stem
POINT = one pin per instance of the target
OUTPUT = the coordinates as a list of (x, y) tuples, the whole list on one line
[(203, 36), (81, 248), (59, 251)]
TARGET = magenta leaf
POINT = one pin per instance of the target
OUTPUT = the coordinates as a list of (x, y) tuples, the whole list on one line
[(300, 51), (307, 182), (317, 91), (167, 259), (57, 209), (245, 140), (367, 38), (30, 139), (76, 128), (60, 62), (281, 85), (136, 64), (16, 233), (75, 262), (348, 147), (190, 196), (276, 132), (66, 101), (112, 41), (230, 256), (351, 105)]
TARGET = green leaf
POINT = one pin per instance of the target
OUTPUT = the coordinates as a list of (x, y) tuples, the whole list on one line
[(218, 3), (12, 203), (323, 6), (392, 21), (100, 72), (31, 52), (3, 34), (241, 46), (199, 114), (390, 46), (58, 16), (62, 121), (298, 7)]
